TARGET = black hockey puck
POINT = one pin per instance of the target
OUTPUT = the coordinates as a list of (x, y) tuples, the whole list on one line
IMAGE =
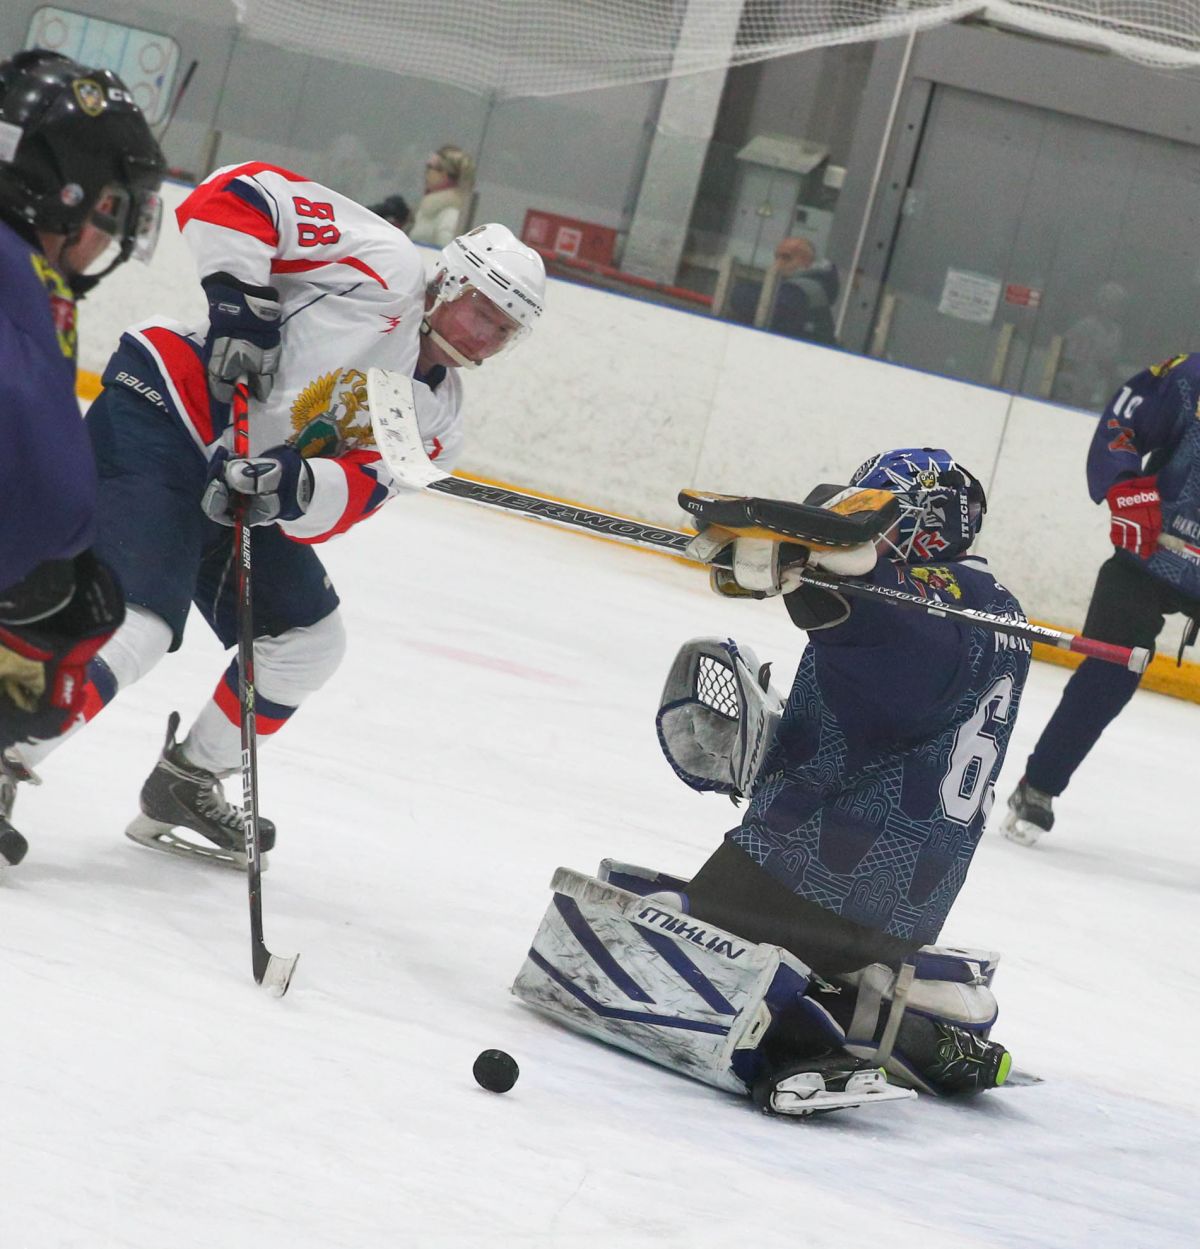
[(495, 1071)]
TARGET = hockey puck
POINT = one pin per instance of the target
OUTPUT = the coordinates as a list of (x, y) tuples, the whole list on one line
[(495, 1071)]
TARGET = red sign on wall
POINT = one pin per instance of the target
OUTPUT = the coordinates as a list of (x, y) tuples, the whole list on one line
[(568, 237), (1023, 296)]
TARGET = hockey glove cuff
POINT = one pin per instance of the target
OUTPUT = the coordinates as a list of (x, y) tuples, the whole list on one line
[(1136, 508), (243, 336), (277, 485), (763, 567), (47, 641)]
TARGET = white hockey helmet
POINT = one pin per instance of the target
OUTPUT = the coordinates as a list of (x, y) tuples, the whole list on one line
[(490, 259)]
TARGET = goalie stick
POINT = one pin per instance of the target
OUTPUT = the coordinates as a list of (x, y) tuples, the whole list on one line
[(272, 970), (398, 440)]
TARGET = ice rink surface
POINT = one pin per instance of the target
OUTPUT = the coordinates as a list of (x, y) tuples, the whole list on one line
[(494, 719)]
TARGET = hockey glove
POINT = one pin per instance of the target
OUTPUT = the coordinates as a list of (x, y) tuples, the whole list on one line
[(761, 567), (51, 625), (1136, 515), (243, 336), (277, 485)]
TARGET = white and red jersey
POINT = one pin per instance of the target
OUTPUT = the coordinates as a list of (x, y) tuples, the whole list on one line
[(351, 289)]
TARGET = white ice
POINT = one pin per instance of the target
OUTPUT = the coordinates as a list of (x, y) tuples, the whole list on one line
[(494, 719)]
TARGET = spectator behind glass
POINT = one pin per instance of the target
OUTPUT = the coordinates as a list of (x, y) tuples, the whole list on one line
[(1089, 369), (394, 210), (804, 301), (449, 179)]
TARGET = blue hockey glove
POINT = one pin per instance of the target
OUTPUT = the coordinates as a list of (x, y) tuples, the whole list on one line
[(243, 336), (278, 485)]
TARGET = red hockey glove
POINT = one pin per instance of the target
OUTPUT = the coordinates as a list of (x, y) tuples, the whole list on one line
[(1136, 515), (47, 640)]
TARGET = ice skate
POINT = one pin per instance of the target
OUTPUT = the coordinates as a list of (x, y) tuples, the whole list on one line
[(967, 1062), (178, 795), (1029, 814), (13, 845), (955, 1060), (834, 1081)]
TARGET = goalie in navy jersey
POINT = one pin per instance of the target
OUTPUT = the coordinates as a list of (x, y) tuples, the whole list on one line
[(815, 917)]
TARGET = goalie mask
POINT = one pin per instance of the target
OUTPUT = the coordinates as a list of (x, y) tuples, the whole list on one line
[(717, 716), (941, 503), (489, 290)]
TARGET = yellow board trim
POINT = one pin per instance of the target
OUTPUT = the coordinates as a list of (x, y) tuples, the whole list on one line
[(1163, 677), (87, 385)]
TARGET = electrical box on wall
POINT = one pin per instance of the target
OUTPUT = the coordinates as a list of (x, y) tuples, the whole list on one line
[(774, 177)]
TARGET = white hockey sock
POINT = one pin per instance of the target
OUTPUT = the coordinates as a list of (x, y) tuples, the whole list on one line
[(287, 669), (141, 641)]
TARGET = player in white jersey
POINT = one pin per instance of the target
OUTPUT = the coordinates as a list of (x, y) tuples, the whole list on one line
[(307, 290)]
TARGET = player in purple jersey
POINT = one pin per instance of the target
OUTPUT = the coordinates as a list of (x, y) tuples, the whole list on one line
[(808, 932), (79, 175), (1144, 462)]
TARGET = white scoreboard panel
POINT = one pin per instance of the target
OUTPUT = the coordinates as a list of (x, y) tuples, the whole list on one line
[(146, 62)]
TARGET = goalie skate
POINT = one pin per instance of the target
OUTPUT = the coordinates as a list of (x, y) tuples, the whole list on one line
[(179, 797), (834, 1082)]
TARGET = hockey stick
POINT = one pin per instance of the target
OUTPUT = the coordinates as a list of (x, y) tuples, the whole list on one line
[(398, 440), (272, 970)]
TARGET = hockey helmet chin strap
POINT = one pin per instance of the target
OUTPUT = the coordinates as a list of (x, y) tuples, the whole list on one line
[(448, 347)]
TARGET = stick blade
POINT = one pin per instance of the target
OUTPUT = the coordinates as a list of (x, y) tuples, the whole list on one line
[(397, 434), (273, 971), (278, 976)]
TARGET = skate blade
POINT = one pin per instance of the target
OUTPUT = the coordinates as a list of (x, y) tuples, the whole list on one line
[(801, 1095), (155, 835), (1021, 831)]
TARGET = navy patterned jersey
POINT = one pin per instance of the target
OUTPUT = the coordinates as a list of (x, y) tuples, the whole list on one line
[(1152, 426), (876, 790)]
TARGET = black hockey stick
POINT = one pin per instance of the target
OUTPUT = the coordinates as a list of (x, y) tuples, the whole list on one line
[(272, 970), (183, 86), (398, 440)]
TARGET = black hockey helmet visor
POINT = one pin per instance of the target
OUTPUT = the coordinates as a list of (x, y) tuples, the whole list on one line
[(71, 134)]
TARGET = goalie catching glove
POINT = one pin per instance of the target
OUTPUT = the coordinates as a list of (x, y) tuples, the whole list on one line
[(759, 547)]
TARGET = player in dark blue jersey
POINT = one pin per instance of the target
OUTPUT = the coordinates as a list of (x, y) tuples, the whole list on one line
[(863, 819), (79, 175), (1144, 462)]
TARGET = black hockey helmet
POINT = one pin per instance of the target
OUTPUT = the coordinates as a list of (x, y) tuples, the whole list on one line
[(66, 133)]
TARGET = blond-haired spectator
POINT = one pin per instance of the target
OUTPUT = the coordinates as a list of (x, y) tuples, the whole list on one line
[(449, 180)]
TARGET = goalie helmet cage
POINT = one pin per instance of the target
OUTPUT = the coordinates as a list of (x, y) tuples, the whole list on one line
[(507, 48)]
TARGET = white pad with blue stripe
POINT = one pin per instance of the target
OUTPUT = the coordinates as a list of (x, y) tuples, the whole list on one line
[(638, 974)]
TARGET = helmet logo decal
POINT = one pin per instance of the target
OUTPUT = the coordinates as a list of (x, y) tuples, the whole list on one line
[(71, 195), (90, 96)]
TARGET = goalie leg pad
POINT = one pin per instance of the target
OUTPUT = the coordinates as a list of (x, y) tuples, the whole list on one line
[(637, 974), (950, 986)]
